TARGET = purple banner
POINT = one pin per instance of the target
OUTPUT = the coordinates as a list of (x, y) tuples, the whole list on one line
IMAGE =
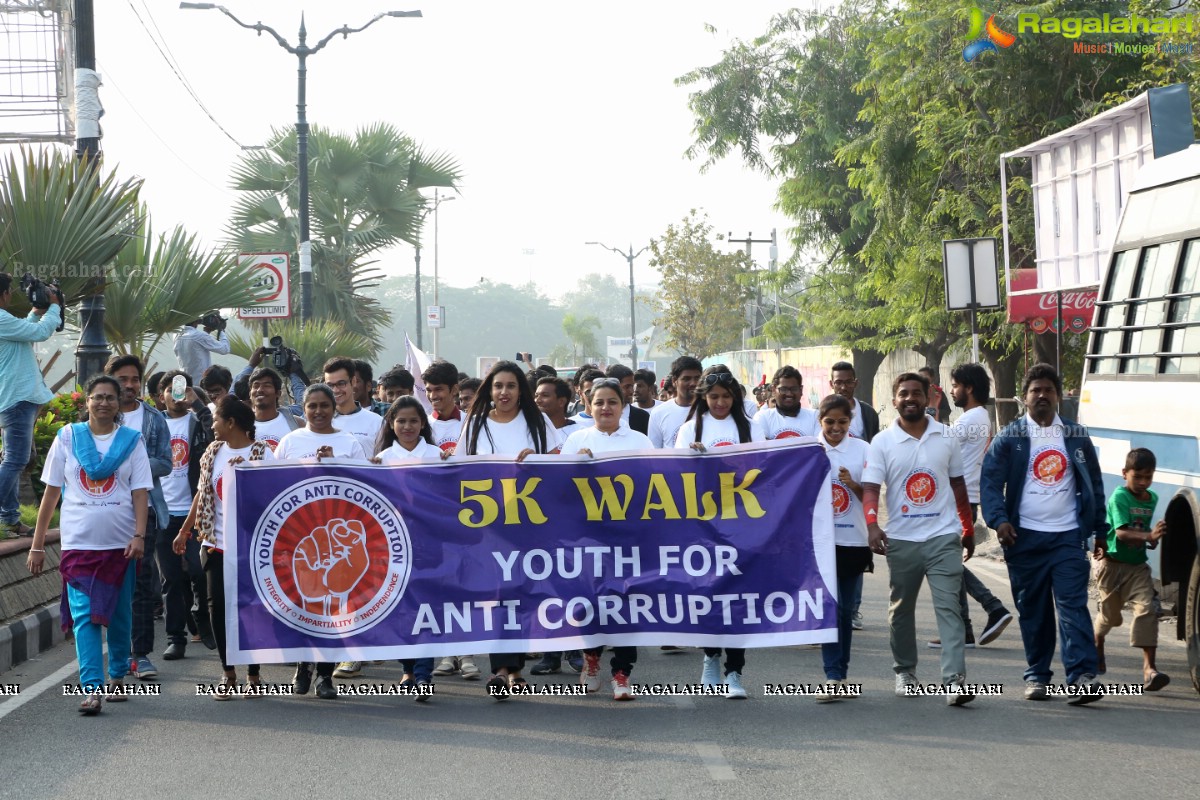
[(341, 561)]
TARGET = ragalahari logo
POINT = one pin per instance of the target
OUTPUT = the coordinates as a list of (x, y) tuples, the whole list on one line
[(985, 36)]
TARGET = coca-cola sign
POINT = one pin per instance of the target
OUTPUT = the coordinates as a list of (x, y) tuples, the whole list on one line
[(1040, 310)]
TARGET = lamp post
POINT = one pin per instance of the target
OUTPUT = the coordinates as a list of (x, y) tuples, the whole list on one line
[(437, 201), (302, 51), (629, 256)]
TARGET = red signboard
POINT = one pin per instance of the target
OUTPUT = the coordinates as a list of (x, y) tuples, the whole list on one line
[(1040, 311)]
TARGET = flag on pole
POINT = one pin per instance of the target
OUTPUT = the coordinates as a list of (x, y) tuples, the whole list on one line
[(415, 361)]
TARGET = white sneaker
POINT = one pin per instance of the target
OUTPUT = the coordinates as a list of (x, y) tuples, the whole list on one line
[(589, 676), (348, 669), (833, 691), (733, 683), (621, 690), (904, 682), (446, 666), (959, 694), (711, 676), (470, 672)]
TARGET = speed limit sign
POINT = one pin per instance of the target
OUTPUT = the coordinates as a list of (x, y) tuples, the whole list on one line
[(269, 278)]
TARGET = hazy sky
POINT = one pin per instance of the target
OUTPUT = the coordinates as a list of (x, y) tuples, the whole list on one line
[(563, 116)]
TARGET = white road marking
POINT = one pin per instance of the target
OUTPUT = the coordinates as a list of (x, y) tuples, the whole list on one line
[(714, 761), (50, 681)]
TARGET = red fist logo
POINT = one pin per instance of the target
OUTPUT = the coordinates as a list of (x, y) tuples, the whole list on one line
[(329, 563)]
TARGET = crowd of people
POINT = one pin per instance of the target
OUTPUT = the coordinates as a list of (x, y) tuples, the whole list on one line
[(142, 523)]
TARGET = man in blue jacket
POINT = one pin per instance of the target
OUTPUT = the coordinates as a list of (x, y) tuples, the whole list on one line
[(1042, 492)]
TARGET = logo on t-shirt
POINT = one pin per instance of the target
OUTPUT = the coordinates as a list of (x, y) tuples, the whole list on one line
[(98, 489), (179, 453), (787, 434), (447, 444), (1048, 466), (841, 499), (271, 441), (723, 443), (220, 487), (920, 487)]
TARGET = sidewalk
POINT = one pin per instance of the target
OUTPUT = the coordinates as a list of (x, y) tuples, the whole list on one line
[(29, 605)]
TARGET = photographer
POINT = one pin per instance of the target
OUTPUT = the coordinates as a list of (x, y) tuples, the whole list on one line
[(283, 361), (194, 348), (22, 392)]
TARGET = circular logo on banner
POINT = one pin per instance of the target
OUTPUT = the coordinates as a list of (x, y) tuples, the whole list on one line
[(1049, 466), (98, 489), (841, 499), (1078, 324), (331, 557), (1038, 325), (920, 487)]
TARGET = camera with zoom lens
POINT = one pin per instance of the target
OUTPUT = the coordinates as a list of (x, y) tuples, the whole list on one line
[(39, 294), (213, 321), (281, 357)]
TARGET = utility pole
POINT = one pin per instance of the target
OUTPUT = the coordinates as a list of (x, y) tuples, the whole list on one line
[(629, 256), (754, 312), (92, 351)]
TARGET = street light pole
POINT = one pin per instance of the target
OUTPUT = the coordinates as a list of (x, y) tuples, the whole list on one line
[(302, 51), (437, 202), (629, 256)]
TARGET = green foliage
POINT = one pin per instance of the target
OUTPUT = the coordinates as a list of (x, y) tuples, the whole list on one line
[(607, 298), (29, 516), (579, 330), (64, 409), (319, 341), (700, 303), (160, 284), (364, 197), (61, 218)]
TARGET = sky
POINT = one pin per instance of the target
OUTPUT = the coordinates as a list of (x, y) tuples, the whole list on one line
[(564, 118)]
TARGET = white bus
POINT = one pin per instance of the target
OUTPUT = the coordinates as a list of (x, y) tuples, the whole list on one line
[(1141, 382)]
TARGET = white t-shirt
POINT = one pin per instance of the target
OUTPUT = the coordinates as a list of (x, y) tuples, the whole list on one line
[(590, 438), (751, 407), (1048, 498), (586, 421), (445, 432), (96, 515), (716, 432), (272, 431), (917, 472), (856, 422), (176, 490), (396, 453), (973, 433), (665, 422), (364, 424), (849, 521), (780, 426), (220, 474), (133, 419), (507, 438), (303, 443)]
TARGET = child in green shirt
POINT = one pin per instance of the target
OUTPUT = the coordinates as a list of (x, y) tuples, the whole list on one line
[(1124, 574)]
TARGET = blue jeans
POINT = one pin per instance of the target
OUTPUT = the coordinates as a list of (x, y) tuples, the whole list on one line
[(88, 647), (836, 655), (17, 422), (1049, 571), (420, 668)]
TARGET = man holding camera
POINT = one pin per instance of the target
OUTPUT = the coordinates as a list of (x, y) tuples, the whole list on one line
[(22, 392), (194, 347)]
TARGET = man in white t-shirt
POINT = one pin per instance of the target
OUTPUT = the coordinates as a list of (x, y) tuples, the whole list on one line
[(668, 418), (363, 423), (970, 387), (787, 419), (929, 529), (1043, 493), (645, 390), (441, 389), (271, 423)]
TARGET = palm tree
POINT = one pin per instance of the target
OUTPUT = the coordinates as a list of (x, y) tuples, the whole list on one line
[(365, 197), (159, 284), (579, 330), (320, 340), (60, 218)]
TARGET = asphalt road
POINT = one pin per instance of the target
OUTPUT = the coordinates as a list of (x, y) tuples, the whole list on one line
[(461, 744)]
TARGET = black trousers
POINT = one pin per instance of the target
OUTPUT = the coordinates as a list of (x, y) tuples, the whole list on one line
[(177, 573), (214, 567), (146, 590), (513, 662), (735, 658), (623, 658)]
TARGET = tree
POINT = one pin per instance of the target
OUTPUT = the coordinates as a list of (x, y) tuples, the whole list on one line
[(604, 296), (365, 197), (60, 218), (701, 302), (319, 341), (579, 331), (163, 283)]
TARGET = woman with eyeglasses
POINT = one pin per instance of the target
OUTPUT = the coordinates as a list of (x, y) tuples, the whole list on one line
[(718, 419), (102, 473), (505, 421), (233, 443), (606, 404)]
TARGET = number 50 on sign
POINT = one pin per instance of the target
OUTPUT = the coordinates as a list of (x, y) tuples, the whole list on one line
[(269, 278)]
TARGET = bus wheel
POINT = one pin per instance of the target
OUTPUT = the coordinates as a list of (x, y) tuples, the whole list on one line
[(1193, 625)]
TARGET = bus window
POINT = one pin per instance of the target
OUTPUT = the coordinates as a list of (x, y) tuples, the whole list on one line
[(1184, 340)]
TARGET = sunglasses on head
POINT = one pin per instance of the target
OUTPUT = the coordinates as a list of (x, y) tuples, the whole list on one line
[(606, 383), (721, 378)]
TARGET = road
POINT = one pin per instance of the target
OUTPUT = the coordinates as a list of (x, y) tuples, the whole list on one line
[(462, 744)]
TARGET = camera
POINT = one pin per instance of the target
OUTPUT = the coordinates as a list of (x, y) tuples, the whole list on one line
[(522, 357), (38, 293), (213, 321), (281, 357)]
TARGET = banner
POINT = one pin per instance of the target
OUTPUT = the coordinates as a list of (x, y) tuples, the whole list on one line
[(344, 561)]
